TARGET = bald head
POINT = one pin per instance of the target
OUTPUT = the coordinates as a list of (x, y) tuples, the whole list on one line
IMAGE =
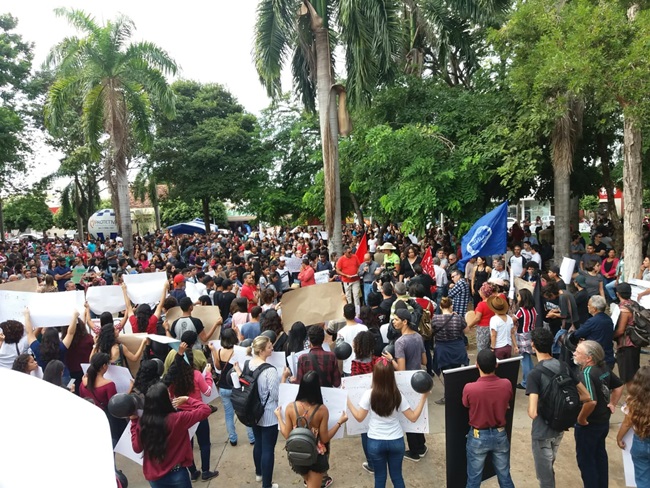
[(367, 257)]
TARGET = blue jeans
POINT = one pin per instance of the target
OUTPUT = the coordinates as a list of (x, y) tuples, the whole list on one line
[(387, 453), (641, 459), (367, 288), (591, 454), (178, 478), (203, 437), (489, 440), (230, 417), (610, 289), (264, 452), (364, 445), (526, 366)]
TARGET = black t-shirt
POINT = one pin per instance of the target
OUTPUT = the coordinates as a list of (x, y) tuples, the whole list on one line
[(599, 247), (183, 324), (386, 305), (600, 381), (540, 429)]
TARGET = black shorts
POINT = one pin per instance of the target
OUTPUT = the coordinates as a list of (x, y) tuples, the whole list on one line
[(629, 361), (321, 465)]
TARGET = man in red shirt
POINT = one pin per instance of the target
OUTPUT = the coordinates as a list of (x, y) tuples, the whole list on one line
[(488, 400), (348, 268), (249, 291)]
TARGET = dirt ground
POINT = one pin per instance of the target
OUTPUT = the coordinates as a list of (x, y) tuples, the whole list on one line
[(235, 464)]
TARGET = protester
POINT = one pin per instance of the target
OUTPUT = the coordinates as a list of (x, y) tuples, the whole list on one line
[(13, 342), (161, 435), (526, 316), (599, 328), (25, 363), (605, 389), (628, 356), (384, 402), (347, 333), (488, 399), (637, 416), (323, 362), (480, 318), (308, 408), (502, 329)]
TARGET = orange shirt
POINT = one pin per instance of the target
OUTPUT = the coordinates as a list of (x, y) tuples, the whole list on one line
[(348, 266)]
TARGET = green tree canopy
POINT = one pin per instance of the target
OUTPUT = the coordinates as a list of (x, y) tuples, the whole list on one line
[(175, 211), (29, 211)]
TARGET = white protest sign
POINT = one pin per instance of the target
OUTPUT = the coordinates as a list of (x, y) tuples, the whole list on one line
[(30, 395), (192, 291), (277, 359), (53, 309), (105, 299), (145, 287), (163, 339), (356, 386), (566, 269), (214, 393), (119, 375), (333, 398), (239, 356), (637, 287), (293, 361), (13, 305), (322, 277), (324, 235), (628, 464), (615, 313), (293, 264)]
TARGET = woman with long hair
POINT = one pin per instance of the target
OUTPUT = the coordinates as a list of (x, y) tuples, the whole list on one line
[(54, 373), (502, 329), (25, 363), (266, 429), (147, 376), (50, 346), (638, 417), (297, 338), (144, 319), (80, 350), (384, 402), (161, 434), (480, 275), (221, 359), (526, 316), (270, 320), (107, 342), (48, 285), (184, 380), (480, 318), (411, 259), (98, 389), (308, 411)]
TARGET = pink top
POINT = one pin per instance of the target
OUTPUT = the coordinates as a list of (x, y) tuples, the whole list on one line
[(306, 277), (202, 384)]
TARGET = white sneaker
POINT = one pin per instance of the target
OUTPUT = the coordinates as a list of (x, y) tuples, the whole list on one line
[(258, 478), (275, 485)]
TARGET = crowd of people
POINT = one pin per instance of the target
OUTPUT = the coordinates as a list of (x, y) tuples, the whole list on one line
[(401, 314)]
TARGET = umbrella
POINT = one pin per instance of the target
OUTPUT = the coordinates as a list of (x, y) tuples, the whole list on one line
[(191, 227)]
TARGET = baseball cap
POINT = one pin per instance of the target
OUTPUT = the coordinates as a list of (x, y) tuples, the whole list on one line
[(179, 278)]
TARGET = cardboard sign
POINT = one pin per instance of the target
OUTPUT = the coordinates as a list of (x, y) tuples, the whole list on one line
[(312, 304), (30, 284)]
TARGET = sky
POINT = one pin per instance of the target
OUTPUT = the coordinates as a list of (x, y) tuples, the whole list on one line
[(211, 41)]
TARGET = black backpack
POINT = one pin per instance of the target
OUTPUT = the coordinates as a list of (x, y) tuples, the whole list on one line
[(639, 330), (302, 444), (246, 399), (559, 400)]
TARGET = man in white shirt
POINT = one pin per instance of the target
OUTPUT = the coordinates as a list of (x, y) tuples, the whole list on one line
[(372, 243), (518, 262), (347, 333)]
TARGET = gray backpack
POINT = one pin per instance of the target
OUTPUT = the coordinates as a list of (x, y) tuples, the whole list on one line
[(302, 444)]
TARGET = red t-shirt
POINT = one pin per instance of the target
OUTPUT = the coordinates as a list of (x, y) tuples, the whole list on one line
[(248, 292), (488, 400), (486, 314), (151, 326), (349, 266)]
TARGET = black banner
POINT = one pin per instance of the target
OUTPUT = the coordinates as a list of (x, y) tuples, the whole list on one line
[(457, 418)]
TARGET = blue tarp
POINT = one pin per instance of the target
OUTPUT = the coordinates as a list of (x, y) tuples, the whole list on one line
[(191, 227)]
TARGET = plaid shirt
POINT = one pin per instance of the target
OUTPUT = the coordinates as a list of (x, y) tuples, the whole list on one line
[(460, 296), (329, 367)]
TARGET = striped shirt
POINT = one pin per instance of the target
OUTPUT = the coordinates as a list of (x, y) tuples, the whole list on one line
[(268, 385), (526, 318), (460, 295)]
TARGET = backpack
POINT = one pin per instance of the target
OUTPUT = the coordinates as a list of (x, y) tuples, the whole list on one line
[(639, 330), (559, 400), (246, 399), (302, 444), (421, 317)]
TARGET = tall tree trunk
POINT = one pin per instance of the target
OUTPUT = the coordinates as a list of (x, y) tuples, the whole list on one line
[(565, 133), (574, 215), (357, 209), (2, 221), (328, 121), (206, 214), (77, 206), (603, 153), (122, 186), (632, 196), (156, 205)]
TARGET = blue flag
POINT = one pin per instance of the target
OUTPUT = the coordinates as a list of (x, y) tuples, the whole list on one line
[(487, 236)]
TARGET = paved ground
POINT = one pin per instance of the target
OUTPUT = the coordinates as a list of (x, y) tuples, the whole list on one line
[(235, 464)]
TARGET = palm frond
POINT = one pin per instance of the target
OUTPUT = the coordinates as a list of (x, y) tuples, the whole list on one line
[(154, 83), (59, 95), (153, 55), (121, 30), (79, 19), (94, 107), (139, 112), (303, 71)]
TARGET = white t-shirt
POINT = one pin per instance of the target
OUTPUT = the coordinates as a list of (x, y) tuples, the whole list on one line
[(9, 352), (372, 245), (503, 329), (537, 258), (517, 264), (348, 333), (383, 428)]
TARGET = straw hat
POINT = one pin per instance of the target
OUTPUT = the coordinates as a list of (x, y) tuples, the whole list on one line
[(498, 305), (387, 245)]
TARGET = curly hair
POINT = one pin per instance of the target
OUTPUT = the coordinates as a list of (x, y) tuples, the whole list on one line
[(364, 345), (20, 363), (180, 377), (270, 320), (146, 377), (13, 331), (638, 402), (106, 339)]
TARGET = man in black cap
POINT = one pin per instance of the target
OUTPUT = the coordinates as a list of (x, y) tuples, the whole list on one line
[(554, 276)]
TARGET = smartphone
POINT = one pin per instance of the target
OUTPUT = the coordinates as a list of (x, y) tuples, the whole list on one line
[(71, 383)]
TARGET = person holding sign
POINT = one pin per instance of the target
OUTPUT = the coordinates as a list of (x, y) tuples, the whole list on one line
[(385, 434), (308, 408), (143, 319)]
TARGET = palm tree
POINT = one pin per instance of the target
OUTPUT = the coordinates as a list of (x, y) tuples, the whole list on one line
[(118, 82), (146, 185), (369, 32)]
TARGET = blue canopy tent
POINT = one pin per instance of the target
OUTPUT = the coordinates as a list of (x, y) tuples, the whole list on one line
[(191, 227)]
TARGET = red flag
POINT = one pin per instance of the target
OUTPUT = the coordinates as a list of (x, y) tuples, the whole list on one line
[(362, 248), (427, 263)]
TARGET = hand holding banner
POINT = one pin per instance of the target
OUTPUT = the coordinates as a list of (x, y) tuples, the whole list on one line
[(145, 287)]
